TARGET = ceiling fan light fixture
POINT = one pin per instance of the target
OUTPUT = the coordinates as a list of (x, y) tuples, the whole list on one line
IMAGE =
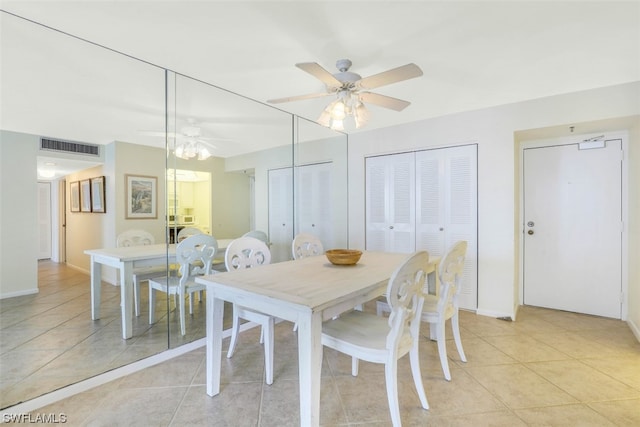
[(337, 124)]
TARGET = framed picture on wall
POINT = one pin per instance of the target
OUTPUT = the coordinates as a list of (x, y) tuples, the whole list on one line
[(85, 195), (142, 199), (74, 196), (97, 195)]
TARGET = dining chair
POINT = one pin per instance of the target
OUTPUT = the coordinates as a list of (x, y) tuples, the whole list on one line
[(194, 255), (257, 234), (186, 232), (137, 237), (438, 309), (249, 252), (377, 339), (305, 244)]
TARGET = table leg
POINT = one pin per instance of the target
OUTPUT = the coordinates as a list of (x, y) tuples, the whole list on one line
[(215, 313), (96, 286), (126, 299), (310, 365)]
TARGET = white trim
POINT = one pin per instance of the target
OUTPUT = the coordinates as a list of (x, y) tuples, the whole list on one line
[(20, 293), (98, 380)]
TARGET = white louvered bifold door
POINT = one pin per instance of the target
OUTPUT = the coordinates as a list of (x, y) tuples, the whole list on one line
[(446, 201), (390, 203), (314, 208), (280, 213)]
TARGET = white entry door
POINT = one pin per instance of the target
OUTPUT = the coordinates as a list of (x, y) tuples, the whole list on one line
[(573, 228), (44, 220)]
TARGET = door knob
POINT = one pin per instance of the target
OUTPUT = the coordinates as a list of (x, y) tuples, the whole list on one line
[(530, 232), (530, 224)]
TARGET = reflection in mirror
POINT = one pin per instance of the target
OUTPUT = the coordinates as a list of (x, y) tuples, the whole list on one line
[(215, 161)]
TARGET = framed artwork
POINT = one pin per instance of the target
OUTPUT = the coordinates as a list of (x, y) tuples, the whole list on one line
[(97, 195), (85, 195), (141, 194), (74, 190)]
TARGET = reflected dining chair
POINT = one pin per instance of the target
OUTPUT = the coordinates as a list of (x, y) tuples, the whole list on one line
[(249, 252), (305, 244), (257, 234), (438, 309), (377, 339), (194, 255), (137, 237), (187, 232)]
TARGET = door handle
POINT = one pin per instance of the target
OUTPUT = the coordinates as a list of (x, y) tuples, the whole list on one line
[(530, 232)]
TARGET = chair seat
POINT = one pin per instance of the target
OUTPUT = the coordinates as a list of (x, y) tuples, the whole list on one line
[(170, 284), (431, 308), (146, 273), (364, 330)]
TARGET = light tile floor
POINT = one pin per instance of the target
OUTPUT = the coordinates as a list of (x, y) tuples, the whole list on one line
[(48, 340), (549, 368)]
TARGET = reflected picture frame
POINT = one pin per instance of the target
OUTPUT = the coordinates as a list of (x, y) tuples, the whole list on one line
[(74, 196), (85, 195), (97, 195), (141, 197)]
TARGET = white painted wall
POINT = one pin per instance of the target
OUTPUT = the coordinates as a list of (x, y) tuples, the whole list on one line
[(633, 297), (498, 198), (18, 220)]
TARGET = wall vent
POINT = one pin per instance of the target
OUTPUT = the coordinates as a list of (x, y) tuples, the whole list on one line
[(69, 147)]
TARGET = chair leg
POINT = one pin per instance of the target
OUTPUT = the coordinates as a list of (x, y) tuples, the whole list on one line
[(181, 312), (391, 377), (262, 334), (152, 305), (235, 330), (355, 365), (268, 349), (295, 327), (191, 298), (442, 350), (136, 296), (414, 357), (456, 336)]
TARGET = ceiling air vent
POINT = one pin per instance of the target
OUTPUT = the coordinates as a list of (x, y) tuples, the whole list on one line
[(69, 147)]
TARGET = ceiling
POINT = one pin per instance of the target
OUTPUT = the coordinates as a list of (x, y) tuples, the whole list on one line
[(473, 55)]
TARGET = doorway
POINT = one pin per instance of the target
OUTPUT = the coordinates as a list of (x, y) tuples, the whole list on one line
[(573, 226)]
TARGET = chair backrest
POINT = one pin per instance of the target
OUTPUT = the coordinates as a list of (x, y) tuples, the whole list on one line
[(134, 238), (195, 255), (187, 232), (257, 234), (451, 270), (246, 252), (305, 244), (405, 298)]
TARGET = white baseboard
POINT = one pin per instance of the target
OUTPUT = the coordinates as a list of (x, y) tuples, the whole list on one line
[(634, 328), (19, 293), (491, 313)]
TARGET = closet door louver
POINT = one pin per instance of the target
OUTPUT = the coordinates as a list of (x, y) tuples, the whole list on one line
[(447, 208), (280, 213), (314, 207), (390, 203)]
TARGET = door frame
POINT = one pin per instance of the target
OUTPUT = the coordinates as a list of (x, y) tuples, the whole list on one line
[(567, 140)]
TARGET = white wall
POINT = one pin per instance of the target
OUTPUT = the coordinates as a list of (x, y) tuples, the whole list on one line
[(493, 130), (18, 219), (633, 297)]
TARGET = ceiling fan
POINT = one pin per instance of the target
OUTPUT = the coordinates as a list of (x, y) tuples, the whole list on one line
[(352, 91), (189, 141)]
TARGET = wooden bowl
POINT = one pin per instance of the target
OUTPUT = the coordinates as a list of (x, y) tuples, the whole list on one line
[(343, 256)]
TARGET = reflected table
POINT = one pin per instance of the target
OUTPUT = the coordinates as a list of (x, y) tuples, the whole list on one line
[(126, 259), (306, 291)]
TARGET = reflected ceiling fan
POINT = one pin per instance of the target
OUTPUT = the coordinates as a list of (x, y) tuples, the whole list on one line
[(189, 142), (352, 92)]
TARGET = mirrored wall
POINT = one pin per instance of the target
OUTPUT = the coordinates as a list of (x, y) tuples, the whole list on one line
[(214, 160)]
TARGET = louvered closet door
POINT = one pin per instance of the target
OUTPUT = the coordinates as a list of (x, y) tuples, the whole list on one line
[(390, 203), (446, 200), (314, 212), (280, 213)]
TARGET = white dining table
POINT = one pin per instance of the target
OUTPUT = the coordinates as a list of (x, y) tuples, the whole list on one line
[(306, 291), (126, 259)]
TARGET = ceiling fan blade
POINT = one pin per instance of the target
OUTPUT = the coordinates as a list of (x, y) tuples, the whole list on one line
[(298, 98), (384, 101), (395, 75), (320, 73)]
